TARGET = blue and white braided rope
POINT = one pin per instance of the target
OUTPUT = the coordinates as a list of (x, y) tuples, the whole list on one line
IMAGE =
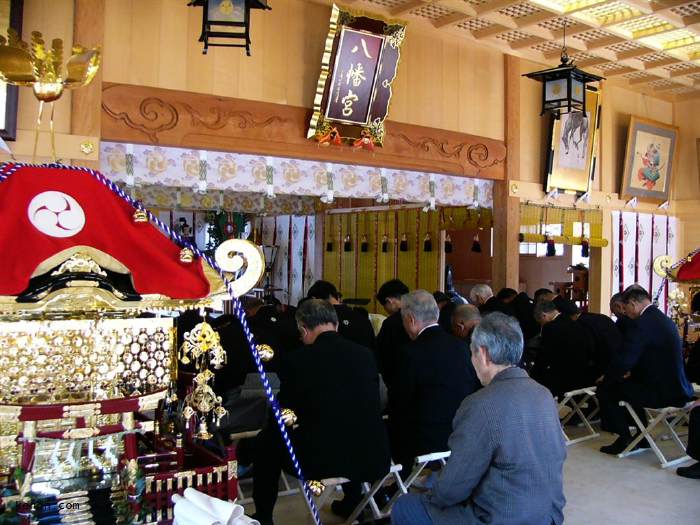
[(7, 169)]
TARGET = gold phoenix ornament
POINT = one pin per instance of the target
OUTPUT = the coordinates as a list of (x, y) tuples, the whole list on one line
[(40, 67)]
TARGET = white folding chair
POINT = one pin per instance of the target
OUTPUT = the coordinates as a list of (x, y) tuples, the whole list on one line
[(575, 401), (405, 485), (370, 491), (662, 424)]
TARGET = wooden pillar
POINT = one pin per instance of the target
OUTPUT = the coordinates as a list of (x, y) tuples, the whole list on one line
[(505, 270), (599, 272), (86, 104)]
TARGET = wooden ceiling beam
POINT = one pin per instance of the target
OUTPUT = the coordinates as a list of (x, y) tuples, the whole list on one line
[(646, 80), (493, 6), (450, 20), (523, 44), (494, 30), (571, 31), (684, 72), (406, 8), (619, 72), (458, 6), (661, 63), (603, 42), (634, 53)]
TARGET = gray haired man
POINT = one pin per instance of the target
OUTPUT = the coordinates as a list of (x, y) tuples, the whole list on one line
[(434, 376), (507, 447)]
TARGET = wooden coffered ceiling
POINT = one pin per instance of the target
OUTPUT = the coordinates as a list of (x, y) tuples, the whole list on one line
[(652, 46)]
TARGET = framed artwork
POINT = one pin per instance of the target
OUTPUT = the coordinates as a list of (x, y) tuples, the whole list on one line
[(651, 149), (573, 141), (10, 16)]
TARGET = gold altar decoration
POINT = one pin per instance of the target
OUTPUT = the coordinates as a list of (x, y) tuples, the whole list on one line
[(83, 360), (265, 352), (316, 487), (203, 346), (40, 67), (289, 417)]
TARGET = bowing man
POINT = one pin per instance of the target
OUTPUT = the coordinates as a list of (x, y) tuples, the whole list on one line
[(434, 376), (332, 386), (647, 373)]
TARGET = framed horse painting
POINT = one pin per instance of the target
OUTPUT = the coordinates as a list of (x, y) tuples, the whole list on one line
[(573, 142), (649, 161)]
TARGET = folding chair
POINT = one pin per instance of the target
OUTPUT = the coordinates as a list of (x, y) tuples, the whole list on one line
[(370, 491), (668, 419), (584, 395), (418, 467)]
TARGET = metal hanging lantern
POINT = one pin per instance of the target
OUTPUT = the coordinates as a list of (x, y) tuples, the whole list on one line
[(226, 23), (564, 86)]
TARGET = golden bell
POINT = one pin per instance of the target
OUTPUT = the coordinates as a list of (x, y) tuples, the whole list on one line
[(203, 432), (316, 487), (140, 217), (186, 256), (288, 417), (265, 352)]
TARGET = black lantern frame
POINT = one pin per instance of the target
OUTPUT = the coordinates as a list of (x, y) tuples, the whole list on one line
[(564, 89), (216, 31)]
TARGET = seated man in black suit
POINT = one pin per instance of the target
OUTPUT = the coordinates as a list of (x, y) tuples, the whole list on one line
[(332, 385), (648, 372), (693, 449), (436, 374), (607, 338), (352, 324), (543, 294), (617, 307), (465, 318), (392, 336), (563, 361), (482, 296)]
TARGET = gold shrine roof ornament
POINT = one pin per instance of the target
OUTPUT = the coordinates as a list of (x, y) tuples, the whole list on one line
[(41, 68)]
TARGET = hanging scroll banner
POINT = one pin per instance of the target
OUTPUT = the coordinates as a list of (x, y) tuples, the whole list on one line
[(354, 88)]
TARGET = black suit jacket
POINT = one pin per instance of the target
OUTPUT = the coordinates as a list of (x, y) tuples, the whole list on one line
[(606, 337), (653, 352), (436, 374), (391, 339), (355, 326), (496, 305), (333, 387), (564, 360)]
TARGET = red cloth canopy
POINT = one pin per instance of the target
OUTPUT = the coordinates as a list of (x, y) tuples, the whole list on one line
[(47, 210), (690, 270)]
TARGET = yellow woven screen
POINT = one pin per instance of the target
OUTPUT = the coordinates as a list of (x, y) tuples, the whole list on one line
[(359, 274), (534, 220)]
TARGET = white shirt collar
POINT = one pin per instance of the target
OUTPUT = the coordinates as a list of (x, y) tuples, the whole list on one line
[(645, 309), (425, 328)]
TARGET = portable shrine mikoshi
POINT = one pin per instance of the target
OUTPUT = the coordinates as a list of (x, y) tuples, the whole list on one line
[(86, 375)]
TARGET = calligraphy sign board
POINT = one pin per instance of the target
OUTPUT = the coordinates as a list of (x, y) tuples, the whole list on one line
[(354, 88)]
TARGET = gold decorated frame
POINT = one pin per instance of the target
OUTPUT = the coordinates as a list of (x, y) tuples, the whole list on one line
[(571, 180), (318, 125)]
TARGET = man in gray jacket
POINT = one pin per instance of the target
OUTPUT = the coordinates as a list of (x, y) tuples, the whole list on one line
[(507, 446)]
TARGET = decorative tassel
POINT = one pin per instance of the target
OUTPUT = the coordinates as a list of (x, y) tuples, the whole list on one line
[(364, 245), (329, 246), (476, 245), (585, 247), (427, 243), (551, 250), (448, 243), (347, 244), (385, 244), (403, 245)]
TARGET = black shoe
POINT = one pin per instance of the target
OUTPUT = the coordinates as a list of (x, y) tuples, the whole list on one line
[(643, 444), (263, 521), (617, 446), (692, 472)]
